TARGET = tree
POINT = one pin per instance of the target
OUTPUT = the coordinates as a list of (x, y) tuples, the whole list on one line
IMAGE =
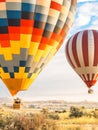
[(75, 112)]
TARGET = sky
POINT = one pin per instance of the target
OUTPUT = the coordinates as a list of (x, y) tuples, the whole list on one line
[(58, 81)]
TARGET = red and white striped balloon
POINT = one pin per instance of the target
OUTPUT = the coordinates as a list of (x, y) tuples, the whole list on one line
[(82, 54)]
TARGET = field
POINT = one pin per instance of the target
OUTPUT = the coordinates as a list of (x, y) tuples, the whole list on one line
[(79, 123), (74, 118)]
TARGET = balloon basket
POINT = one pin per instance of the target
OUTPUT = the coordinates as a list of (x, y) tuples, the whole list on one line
[(90, 91), (17, 104)]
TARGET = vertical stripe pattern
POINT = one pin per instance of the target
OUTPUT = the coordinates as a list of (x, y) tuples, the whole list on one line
[(82, 54)]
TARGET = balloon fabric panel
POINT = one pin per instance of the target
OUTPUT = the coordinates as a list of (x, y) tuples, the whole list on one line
[(82, 55), (30, 33)]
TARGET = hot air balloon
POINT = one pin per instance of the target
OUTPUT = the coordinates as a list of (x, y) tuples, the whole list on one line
[(82, 54), (31, 32)]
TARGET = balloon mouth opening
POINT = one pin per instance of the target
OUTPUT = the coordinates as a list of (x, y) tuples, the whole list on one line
[(90, 83), (90, 91)]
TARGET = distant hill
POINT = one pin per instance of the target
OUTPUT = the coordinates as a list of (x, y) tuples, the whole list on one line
[(50, 104), (5, 100), (59, 105)]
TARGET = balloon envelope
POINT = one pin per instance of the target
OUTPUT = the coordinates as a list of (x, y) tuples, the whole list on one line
[(31, 32), (82, 55)]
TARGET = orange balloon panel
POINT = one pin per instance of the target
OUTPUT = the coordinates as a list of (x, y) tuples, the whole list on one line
[(30, 33)]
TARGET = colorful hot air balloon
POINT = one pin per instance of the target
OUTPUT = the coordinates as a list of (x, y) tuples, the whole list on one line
[(82, 54), (31, 31)]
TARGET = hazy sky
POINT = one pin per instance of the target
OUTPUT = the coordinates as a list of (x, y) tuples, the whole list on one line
[(58, 80)]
